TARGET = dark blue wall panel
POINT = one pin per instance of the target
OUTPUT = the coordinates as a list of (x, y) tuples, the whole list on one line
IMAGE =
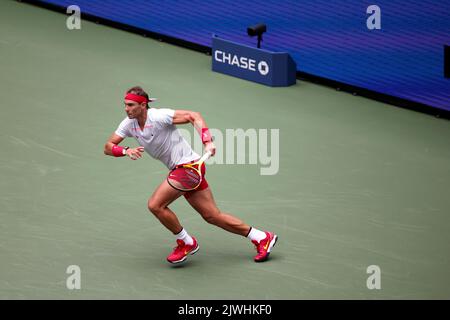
[(326, 38)]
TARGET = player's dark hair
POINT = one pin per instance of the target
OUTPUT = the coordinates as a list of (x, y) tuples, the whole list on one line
[(138, 91)]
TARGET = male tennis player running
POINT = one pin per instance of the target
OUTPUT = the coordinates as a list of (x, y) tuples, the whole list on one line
[(155, 131)]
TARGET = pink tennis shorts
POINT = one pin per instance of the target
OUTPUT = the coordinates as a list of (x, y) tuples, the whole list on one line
[(203, 185)]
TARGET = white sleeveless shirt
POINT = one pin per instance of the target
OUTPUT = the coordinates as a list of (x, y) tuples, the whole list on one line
[(160, 138)]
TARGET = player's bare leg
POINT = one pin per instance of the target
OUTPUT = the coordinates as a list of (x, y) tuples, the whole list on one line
[(203, 202), (158, 203)]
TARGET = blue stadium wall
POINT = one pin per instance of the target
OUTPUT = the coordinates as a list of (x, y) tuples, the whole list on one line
[(328, 39)]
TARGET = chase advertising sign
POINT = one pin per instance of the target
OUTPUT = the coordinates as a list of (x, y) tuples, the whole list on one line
[(276, 69)]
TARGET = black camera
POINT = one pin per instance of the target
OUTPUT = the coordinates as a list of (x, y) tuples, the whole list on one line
[(257, 30)]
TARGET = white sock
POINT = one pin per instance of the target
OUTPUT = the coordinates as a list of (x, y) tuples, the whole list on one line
[(256, 234), (183, 235)]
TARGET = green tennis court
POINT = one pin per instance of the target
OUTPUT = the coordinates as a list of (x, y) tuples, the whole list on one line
[(360, 183)]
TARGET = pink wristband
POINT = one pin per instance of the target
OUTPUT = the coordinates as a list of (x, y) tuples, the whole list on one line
[(206, 135), (118, 151)]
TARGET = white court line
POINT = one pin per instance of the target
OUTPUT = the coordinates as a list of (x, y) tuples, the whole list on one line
[(53, 150)]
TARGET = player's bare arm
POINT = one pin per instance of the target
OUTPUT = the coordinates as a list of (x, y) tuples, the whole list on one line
[(196, 119), (114, 141)]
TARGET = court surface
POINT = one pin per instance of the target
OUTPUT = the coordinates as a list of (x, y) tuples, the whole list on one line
[(360, 183)]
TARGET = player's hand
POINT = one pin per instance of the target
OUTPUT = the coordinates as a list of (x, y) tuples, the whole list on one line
[(135, 153), (209, 146)]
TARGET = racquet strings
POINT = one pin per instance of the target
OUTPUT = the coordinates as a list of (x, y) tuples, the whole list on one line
[(184, 179)]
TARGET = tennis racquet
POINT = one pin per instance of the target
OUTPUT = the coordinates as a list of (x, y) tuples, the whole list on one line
[(187, 177)]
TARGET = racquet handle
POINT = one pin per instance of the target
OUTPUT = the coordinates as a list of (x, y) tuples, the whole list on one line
[(205, 156)]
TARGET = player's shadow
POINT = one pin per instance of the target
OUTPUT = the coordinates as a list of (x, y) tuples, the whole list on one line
[(230, 259), (184, 264)]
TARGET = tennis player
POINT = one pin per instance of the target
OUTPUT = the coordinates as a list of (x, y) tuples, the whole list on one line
[(156, 133)]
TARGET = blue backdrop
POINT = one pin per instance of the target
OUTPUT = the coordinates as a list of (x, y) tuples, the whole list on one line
[(325, 38)]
